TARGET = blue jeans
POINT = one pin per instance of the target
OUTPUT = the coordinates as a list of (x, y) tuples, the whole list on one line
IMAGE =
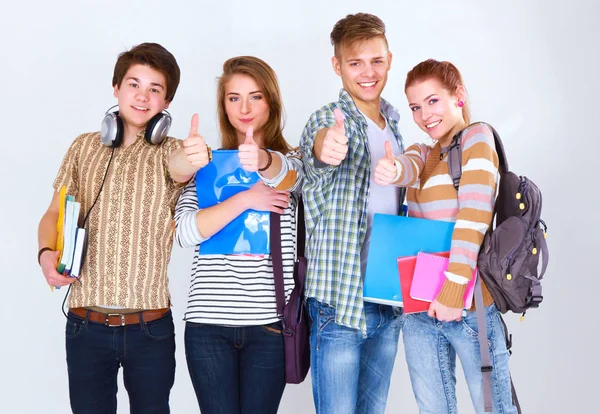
[(146, 351), (350, 373), (236, 370), (431, 348)]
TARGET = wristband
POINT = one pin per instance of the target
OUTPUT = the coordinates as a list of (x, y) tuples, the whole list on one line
[(209, 151), (42, 250), (269, 161)]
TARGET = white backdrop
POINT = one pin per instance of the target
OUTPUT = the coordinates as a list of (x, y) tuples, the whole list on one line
[(530, 68)]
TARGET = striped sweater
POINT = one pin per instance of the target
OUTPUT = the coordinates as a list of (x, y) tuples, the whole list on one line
[(431, 194)]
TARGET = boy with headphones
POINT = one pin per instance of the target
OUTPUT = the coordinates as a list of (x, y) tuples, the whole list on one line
[(127, 178)]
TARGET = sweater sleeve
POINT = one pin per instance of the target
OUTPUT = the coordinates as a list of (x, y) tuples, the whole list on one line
[(476, 193), (411, 163)]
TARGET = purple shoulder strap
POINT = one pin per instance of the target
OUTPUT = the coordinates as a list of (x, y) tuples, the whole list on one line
[(276, 257)]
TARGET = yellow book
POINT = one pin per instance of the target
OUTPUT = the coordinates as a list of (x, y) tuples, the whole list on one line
[(60, 224)]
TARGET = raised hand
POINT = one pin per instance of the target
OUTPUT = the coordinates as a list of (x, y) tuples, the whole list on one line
[(335, 142), (196, 150), (386, 169), (249, 152)]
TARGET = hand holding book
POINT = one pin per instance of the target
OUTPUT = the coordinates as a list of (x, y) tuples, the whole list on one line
[(62, 267)]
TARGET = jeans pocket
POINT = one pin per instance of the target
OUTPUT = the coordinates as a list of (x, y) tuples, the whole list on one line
[(471, 328), (160, 329), (273, 329), (74, 327), (326, 315)]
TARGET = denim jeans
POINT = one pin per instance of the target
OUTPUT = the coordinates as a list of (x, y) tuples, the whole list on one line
[(146, 351), (236, 370), (350, 373), (431, 348)]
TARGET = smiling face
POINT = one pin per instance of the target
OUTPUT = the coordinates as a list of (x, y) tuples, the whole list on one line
[(363, 67), (436, 110), (246, 106), (141, 95)]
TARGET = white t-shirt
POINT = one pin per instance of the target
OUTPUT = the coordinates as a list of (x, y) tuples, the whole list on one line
[(383, 200)]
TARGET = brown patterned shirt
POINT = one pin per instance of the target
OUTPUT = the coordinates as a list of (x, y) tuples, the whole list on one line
[(130, 229)]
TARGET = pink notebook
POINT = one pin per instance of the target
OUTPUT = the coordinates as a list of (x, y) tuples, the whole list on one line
[(429, 278)]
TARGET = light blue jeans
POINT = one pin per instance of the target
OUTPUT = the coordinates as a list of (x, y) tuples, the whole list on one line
[(431, 348), (351, 374)]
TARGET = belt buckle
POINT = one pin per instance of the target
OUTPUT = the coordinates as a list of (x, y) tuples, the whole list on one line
[(122, 315)]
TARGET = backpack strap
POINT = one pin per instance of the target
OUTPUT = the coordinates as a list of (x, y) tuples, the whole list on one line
[(486, 364), (454, 151), (544, 255)]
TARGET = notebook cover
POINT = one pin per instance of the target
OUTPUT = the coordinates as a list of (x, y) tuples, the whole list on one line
[(429, 278), (398, 236), (406, 269), (220, 179)]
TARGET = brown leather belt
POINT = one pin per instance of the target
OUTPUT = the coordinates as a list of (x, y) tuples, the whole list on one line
[(119, 319)]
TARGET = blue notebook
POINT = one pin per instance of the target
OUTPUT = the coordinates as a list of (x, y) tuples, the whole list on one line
[(222, 178), (396, 236)]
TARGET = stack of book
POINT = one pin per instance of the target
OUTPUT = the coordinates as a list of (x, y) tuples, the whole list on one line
[(407, 261), (71, 238)]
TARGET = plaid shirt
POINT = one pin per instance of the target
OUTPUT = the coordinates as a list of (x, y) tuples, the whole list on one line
[(335, 199)]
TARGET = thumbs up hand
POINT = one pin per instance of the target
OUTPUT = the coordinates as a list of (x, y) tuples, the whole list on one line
[(249, 152), (335, 142), (386, 169), (196, 150)]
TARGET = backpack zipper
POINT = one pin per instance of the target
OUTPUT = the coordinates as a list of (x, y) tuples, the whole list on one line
[(511, 254)]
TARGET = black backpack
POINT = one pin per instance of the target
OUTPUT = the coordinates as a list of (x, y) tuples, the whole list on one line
[(510, 254)]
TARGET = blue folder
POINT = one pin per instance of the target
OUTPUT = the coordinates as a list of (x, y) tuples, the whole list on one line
[(222, 178), (397, 236)]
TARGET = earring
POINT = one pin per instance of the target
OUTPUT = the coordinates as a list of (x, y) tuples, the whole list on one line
[(461, 103)]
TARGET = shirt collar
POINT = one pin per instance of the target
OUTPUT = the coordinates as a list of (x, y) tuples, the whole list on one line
[(386, 108)]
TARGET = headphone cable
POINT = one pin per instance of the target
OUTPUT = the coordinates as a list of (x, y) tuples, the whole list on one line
[(112, 153)]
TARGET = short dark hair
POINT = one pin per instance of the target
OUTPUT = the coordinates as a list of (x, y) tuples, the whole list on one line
[(154, 56), (356, 27)]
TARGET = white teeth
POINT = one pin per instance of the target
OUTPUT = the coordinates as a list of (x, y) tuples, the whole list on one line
[(433, 124), (140, 108), (367, 84)]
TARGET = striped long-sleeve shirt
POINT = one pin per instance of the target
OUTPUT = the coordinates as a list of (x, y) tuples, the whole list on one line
[(237, 290), (432, 195)]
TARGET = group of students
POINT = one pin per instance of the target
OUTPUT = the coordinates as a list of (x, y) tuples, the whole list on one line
[(351, 164)]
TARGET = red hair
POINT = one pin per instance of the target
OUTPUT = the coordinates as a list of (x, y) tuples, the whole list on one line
[(445, 72)]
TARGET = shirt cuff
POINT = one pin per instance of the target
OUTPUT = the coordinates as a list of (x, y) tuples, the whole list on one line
[(398, 170), (452, 294)]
